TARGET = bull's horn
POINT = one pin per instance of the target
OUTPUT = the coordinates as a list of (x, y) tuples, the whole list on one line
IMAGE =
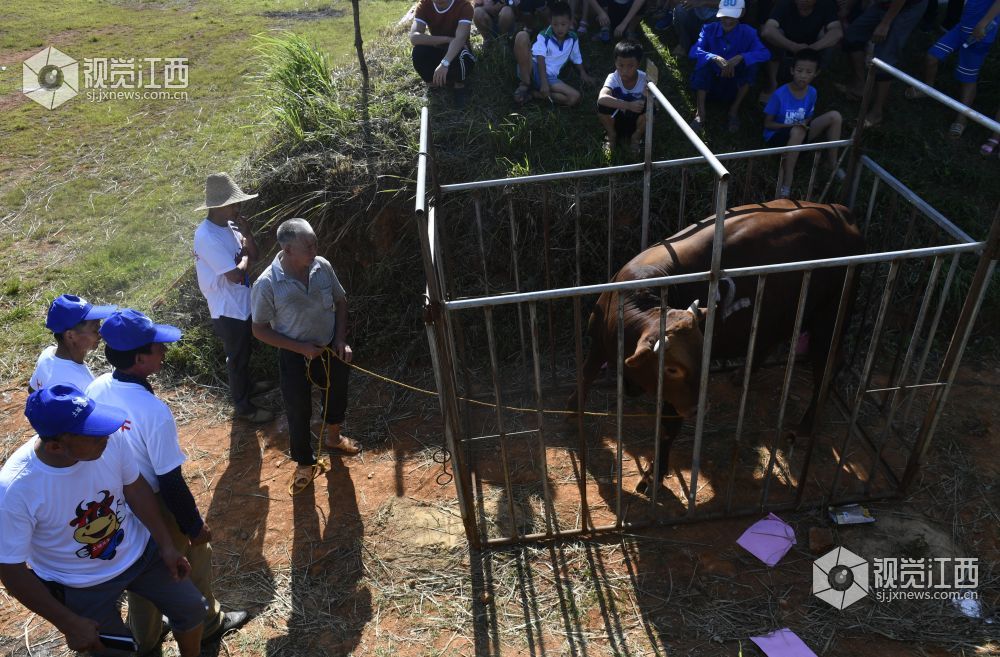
[(665, 342), (694, 307)]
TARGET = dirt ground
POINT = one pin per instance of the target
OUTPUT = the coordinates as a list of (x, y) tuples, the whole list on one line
[(373, 560)]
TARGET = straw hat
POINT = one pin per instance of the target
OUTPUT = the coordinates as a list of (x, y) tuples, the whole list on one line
[(221, 190)]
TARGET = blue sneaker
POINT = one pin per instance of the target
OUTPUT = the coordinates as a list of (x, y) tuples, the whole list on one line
[(604, 35), (666, 20)]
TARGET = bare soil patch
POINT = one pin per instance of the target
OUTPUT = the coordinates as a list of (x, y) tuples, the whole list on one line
[(372, 560)]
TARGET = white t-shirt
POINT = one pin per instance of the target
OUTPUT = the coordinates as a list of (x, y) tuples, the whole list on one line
[(621, 92), (216, 251), (149, 429), (71, 525), (51, 370), (556, 54)]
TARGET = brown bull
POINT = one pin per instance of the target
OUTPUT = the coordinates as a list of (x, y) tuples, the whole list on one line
[(761, 234)]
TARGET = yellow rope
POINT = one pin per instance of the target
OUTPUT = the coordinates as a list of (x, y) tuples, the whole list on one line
[(431, 393)]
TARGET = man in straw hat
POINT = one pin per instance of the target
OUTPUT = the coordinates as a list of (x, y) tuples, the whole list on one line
[(300, 307), (224, 250)]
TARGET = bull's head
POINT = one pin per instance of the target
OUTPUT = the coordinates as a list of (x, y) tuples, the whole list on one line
[(681, 345)]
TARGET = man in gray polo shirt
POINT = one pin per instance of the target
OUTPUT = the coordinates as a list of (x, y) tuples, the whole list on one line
[(300, 307)]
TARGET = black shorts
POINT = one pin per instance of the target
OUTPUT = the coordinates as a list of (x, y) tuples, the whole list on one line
[(531, 6), (625, 121), (616, 12), (779, 138), (427, 58)]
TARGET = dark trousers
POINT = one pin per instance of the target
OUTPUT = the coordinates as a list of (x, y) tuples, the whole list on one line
[(427, 58), (296, 393), (237, 341)]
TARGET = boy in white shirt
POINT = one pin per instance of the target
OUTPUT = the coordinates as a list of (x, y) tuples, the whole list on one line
[(621, 105), (74, 322), (538, 65)]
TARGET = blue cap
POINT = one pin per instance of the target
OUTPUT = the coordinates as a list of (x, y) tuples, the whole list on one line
[(129, 329), (67, 311), (65, 409)]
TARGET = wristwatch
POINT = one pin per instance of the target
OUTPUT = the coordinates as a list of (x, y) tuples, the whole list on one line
[(445, 62)]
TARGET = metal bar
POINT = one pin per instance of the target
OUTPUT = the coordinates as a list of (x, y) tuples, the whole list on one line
[(477, 206), (581, 437), (888, 256), (871, 205), (953, 357), (945, 100), (611, 223), (932, 332), (779, 177), (658, 430), (683, 199), (786, 386), (550, 510), (647, 173), (546, 250), (621, 408), (594, 532), (515, 267), (691, 135), (849, 192), (890, 285), (895, 399), (495, 369), (747, 369), (820, 395), (421, 204), (721, 199), (812, 175), (911, 197), (638, 166)]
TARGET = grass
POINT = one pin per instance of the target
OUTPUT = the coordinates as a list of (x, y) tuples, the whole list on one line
[(98, 198)]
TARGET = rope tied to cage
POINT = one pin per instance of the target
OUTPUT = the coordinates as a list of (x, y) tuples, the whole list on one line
[(476, 402)]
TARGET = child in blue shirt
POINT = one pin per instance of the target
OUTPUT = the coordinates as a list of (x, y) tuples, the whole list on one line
[(538, 65), (621, 105), (727, 54), (971, 39), (788, 116)]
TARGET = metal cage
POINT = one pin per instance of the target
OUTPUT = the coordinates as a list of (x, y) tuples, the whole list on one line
[(523, 475)]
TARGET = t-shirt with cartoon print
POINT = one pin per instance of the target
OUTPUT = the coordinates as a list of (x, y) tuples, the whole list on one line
[(71, 525)]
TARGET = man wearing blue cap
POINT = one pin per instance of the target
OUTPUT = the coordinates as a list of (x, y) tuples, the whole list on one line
[(135, 347), (77, 512), (74, 323)]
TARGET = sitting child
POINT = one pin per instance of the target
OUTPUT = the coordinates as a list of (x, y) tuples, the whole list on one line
[(538, 66), (971, 38), (788, 117), (621, 105), (727, 54), (618, 18)]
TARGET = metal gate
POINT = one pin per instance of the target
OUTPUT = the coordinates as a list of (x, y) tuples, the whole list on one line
[(501, 317)]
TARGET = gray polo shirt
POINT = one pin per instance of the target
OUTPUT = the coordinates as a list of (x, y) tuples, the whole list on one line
[(292, 309)]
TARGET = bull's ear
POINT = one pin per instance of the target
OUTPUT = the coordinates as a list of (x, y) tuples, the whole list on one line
[(641, 351)]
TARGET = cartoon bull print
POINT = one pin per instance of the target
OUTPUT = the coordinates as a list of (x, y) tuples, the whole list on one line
[(98, 527)]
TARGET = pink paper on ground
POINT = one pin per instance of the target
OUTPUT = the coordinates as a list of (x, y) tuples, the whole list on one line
[(768, 539), (782, 643)]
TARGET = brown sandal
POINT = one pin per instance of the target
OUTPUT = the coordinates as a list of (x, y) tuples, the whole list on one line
[(304, 477), (345, 445)]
